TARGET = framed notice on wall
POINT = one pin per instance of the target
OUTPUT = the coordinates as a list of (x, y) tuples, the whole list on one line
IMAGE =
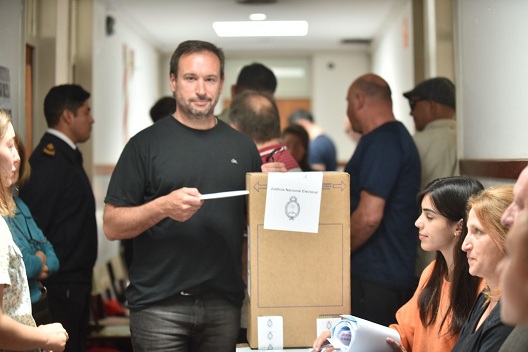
[(5, 90)]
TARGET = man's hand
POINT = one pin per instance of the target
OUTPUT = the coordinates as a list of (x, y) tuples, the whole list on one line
[(273, 167), (183, 203)]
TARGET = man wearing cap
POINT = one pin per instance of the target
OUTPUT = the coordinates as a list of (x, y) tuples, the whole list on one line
[(433, 106)]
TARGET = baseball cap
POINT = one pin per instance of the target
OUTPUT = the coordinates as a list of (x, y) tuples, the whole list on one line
[(439, 89)]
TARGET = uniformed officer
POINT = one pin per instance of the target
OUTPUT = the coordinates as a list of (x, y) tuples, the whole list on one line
[(61, 199)]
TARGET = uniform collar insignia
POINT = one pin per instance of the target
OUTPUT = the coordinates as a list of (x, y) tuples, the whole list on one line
[(49, 149)]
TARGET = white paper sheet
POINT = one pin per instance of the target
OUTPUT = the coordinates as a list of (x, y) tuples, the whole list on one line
[(360, 335), (293, 201), (325, 324), (224, 194), (270, 333)]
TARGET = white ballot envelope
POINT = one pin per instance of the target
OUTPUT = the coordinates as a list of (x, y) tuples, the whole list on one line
[(360, 335)]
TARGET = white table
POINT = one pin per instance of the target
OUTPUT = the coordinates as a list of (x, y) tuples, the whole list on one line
[(247, 349)]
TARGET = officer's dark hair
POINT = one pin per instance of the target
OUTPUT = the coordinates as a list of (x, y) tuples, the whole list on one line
[(63, 97), (256, 77), (195, 46)]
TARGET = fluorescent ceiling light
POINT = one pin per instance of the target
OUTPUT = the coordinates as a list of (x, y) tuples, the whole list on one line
[(261, 28), (288, 72), (258, 16)]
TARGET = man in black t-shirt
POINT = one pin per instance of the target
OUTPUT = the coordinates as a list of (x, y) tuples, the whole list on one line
[(186, 285)]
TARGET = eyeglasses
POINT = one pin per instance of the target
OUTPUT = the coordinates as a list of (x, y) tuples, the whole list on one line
[(275, 153), (413, 102)]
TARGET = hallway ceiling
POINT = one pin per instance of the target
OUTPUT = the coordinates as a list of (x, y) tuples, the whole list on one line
[(169, 22)]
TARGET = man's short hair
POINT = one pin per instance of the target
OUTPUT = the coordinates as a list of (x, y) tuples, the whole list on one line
[(439, 89), (256, 77), (63, 97), (256, 114), (195, 46)]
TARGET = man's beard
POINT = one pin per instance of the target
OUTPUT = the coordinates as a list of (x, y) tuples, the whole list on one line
[(196, 114)]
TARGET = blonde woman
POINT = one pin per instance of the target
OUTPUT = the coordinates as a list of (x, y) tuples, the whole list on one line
[(17, 327), (39, 256), (484, 246)]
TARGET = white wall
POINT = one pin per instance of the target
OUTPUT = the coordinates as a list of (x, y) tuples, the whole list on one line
[(491, 58), (108, 100), (333, 73), (12, 56), (392, 59)]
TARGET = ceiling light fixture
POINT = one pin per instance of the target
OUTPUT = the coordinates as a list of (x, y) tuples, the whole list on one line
[(261, 28), (289, 72), (258, 16)]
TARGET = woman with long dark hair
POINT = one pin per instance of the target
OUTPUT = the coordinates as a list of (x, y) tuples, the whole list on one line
[(434, 316), (432, 319)]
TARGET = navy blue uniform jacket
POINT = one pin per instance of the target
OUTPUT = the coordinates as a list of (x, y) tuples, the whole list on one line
[(60, 197)]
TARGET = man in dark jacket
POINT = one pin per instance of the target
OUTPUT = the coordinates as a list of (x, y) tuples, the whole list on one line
[(61, 199)]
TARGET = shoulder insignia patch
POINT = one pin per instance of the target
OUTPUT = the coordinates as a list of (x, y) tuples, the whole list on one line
[(49, 149)]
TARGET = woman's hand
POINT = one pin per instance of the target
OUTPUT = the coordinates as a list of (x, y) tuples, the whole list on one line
[(395, 345), (321, 340), (42, 256), (44, 271), (57, 337)]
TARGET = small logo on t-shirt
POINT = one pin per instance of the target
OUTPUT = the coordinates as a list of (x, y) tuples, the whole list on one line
[(234, 161)]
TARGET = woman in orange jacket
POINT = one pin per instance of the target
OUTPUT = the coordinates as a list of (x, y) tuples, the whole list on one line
[(433, 318)]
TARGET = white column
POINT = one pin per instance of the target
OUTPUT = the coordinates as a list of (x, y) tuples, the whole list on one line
[(492, 78)]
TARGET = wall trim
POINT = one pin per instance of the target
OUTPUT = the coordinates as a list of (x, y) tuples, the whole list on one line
[(507, 169)]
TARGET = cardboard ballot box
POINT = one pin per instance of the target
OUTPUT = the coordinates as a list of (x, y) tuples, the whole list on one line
[(299, 276)]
